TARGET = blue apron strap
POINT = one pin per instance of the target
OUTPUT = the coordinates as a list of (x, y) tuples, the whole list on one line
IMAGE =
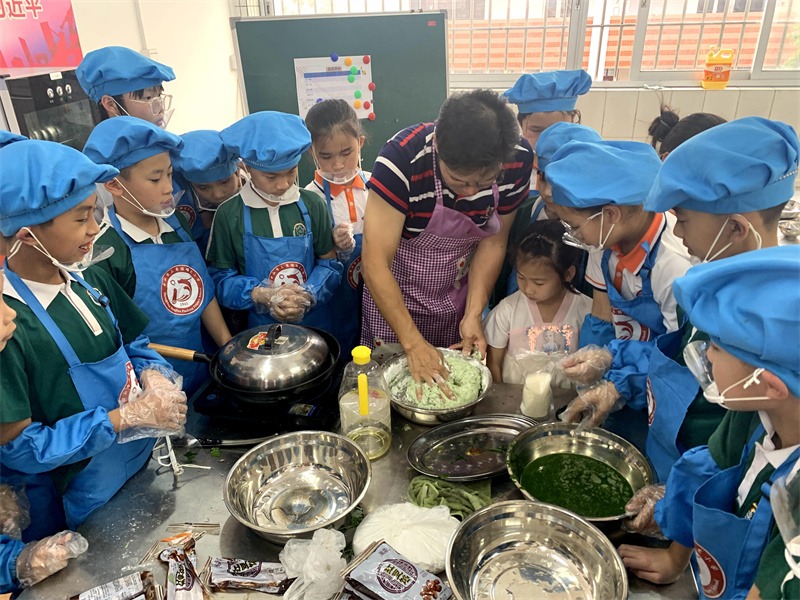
[(176, 225), (757, 434), (787, 465), (248, 223), (38, 310), (112, 216), (306, 219), (326, 187), (537, 210)]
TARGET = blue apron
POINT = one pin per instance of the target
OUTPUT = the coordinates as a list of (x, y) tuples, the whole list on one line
[(188, 206), (287, 259), (346, 300), (730, 547), (103, 383), (173, 288), (671, 389), (538, 206), (644, 322)]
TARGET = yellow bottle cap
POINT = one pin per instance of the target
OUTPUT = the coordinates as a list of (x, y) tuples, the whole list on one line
[(361, 355)]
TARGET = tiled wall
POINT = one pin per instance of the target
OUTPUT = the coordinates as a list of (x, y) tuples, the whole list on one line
[(626, 114)]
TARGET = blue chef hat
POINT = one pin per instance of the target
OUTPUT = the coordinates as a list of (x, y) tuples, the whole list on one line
[(125, 141), (558, 134), (587, 174), (549, 91), (116, 70), (738, 167), (749, 306), (41, 180), (6, 137), (268, 141), (204, 158)]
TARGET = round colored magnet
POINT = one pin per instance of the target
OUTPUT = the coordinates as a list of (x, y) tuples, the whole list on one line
[(353, 70), (334, 57), (357, 104), (367, 104), (365, 59), (357, 93), (371, 116), (348, 61), (351, 78), (371, 86), (318, 101)]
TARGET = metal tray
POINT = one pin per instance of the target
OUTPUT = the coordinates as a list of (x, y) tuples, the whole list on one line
[(469, 449)]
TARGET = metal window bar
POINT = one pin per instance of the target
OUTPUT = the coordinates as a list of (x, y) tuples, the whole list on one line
[(661, 33), (525, 36), (489, 37), (744, 28), (699, 37), (508, 32), (779, 59), (680, 32), (619, 38), (564, 31), (727, 6), (601, 32)]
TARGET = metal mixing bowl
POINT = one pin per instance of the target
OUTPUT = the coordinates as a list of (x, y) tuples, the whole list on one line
[(296, 483), (523, 549), (562, 438), (397, 367), (789, 229), (273, 357)]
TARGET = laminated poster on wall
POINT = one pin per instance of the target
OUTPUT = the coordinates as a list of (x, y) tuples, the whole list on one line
[(346, 78)]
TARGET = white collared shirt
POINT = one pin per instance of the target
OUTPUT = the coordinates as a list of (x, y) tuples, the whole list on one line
[(139, 235), (45, 293), (251, 198), (765, 453)]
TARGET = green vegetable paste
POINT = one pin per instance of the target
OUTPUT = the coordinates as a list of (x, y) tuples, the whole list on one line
[(582, 484)]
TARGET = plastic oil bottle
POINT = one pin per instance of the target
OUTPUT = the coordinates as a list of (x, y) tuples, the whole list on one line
[(718, 69), (364, 407)]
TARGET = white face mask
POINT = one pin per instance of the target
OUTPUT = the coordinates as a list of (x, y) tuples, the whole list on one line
[(570, 239), (167, 208), (338, 177), (709, 257), (713, 395), (288, 197), (95, 255), (162, 122)]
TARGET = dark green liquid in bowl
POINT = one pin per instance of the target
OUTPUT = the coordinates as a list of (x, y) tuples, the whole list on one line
[(584, 485)]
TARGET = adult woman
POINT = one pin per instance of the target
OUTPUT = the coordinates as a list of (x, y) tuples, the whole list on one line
[(442, 199)]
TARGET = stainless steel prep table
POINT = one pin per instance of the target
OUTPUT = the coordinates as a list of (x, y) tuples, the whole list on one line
[(122, 532)]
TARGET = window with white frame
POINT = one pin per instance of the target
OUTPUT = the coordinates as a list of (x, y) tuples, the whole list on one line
[(490, 42)]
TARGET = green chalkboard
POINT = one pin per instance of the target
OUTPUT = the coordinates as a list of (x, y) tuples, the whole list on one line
[(408, 55)]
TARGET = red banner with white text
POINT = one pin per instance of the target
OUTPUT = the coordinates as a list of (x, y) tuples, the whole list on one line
[(38, 34)]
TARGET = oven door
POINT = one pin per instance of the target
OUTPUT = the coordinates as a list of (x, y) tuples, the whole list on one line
[(49, 106)]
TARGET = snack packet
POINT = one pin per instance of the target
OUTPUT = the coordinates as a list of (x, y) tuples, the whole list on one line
[(137, 586), (233, 573), (182, 580)]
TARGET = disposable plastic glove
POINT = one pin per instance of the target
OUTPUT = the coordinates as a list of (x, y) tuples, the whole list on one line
[(290, 303), (642, 507), (14, 512), (593, 404), (160, 409), (39, 560), (587, 365), (344, 240)]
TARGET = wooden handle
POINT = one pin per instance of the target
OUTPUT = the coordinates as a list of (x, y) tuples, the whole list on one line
[(180, 353)]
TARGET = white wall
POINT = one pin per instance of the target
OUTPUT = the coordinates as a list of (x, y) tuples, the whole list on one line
[(191, 36)]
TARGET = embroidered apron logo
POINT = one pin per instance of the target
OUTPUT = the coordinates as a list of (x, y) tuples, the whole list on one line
[(354, 273), (651, 404), (396, 576), (712, 577), (628, 328), (299, 230), (288, 272), (182, 290), (188, 212)]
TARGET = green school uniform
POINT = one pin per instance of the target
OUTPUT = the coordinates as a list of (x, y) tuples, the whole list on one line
[(726, 445), (120, 264), (34, 376), (226, 245)]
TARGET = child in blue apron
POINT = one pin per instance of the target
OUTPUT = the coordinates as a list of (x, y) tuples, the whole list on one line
[(155, 259), (599, 189), (542, 99), (121, 81), (720, 213), (271, 251), (71, 373), (717, 504), (212, 176), (336, 142)]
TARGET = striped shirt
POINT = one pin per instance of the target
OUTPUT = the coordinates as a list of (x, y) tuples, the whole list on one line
[(403, 177)]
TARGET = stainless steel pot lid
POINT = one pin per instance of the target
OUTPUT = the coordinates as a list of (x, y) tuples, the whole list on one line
[(273, 357)]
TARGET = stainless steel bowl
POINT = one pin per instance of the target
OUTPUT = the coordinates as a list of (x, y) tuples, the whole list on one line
[(296, 483), (274, 357), (790, 228), (560, 438), (397, 367), (523, 549)]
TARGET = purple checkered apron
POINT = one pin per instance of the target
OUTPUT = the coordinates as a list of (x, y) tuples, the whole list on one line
[(431, 270)]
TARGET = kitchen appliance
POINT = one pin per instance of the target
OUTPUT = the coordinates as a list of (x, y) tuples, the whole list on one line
[(49, 106)]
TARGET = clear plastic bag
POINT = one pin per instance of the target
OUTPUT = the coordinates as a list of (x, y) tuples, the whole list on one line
[(316, 563)]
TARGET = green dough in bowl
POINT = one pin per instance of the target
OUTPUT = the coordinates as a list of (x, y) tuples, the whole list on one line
[(464, 380)]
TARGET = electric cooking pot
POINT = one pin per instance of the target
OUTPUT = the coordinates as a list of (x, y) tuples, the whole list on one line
[(270, 364)]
